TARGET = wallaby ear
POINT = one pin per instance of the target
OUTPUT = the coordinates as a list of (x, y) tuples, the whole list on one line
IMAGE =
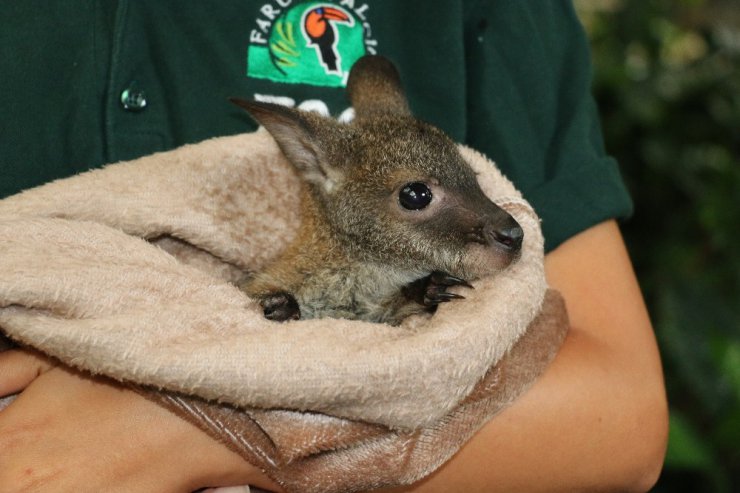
[(296, 135), (374, 86)]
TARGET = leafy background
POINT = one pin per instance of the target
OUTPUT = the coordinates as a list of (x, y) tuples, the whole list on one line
[(667, 80)]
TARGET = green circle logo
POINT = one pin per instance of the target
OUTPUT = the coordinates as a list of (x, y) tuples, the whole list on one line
[(311, 43)]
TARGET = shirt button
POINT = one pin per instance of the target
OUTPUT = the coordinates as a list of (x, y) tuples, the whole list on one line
[(133, 99)]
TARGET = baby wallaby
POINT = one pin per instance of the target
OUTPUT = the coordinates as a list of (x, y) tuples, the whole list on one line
[(392, 214)]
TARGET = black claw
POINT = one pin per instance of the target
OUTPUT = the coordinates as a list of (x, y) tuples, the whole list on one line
[(441, 297), (444, 279), (280, 307), (431, 290), (450, 296)]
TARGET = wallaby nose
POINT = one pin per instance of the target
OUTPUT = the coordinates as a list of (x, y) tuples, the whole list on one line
[(508, 237)]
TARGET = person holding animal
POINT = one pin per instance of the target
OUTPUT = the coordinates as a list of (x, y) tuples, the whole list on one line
[(595, 420)]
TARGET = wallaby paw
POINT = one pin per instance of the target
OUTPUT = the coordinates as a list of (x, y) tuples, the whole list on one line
[(430, 291), (280, 307), (436, 288)]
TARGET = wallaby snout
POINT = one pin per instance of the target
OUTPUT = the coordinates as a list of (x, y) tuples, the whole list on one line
[(493, 238), (507, 236)]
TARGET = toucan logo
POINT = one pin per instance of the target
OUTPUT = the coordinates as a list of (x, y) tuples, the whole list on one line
[(318, 27), (310, 42)]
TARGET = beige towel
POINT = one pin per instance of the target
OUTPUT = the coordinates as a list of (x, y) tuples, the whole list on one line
[(127, 271)]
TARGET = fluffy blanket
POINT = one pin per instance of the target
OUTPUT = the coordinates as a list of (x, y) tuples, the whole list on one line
[(128, 272)]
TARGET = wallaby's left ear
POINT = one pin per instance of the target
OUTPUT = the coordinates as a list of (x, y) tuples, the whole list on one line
[(295, 134), (374, 86)]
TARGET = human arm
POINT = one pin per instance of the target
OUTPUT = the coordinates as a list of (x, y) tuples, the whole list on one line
[(71, 432), (596, 420)]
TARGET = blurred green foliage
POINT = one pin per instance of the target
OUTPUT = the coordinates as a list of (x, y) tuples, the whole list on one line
[(667, 80)]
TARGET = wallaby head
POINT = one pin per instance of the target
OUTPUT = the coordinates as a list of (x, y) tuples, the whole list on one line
[(393, 189), (393, 215)]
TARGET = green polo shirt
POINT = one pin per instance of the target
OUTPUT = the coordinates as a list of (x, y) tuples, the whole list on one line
[(88, 82)]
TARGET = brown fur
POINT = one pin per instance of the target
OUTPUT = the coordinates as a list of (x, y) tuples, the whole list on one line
[(358, 250)]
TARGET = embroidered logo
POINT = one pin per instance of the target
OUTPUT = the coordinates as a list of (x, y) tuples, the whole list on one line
[(311, 42)]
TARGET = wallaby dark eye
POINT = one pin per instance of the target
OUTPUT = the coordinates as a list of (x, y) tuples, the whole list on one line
[(415, 196)]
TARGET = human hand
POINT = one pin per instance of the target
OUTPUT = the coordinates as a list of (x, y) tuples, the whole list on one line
[(19, 367), (70, 432)]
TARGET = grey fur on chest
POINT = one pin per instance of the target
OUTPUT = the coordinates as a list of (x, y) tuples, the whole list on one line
[(368, 291)]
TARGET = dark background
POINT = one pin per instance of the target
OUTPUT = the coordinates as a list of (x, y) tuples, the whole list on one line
[(667, 81)]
